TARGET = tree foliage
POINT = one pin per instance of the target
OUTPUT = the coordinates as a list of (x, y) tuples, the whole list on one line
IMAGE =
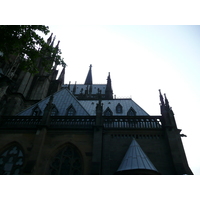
[(24, 43)]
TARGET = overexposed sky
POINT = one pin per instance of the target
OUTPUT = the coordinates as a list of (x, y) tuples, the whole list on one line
[(141, 60)]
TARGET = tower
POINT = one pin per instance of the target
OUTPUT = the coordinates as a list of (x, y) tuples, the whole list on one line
[(23, 89), (173, 137), (89, 90)]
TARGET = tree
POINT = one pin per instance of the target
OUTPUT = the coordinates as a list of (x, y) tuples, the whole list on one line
[(22, 46)]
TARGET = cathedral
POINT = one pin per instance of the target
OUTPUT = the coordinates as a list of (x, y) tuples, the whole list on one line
[(51, 128)]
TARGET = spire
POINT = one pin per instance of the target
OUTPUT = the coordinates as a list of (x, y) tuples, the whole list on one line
[(74, 88), (49, 39), (62, 76), (161, 98), (162, 104), (53, 41), (167, 112), (166, 101), (109, 91), (56, 48), (57, 44), (88, 80)]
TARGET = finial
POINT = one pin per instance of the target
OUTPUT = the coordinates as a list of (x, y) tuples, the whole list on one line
[(99, 96), (74, 88), (53, 41), (161, 97), (49, 39), (166, 100), (69, 84), (57, 44)]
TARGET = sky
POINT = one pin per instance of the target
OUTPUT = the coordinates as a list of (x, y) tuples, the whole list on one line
[(141, 60)]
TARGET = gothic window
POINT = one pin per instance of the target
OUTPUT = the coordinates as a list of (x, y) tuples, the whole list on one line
[(131, 112), (67, 162), (11, 161), (71, 111), (36, 111), (119, 108), (108, 112), (54, 111)]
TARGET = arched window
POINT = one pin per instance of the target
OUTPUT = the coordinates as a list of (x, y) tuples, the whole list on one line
[(108, 112), (131, 112), (68, 161), (36, 111), (71, 111), (119, 108), (54, 111), (11, 160)]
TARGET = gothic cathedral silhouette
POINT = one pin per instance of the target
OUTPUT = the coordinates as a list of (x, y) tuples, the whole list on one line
[(48, 127)]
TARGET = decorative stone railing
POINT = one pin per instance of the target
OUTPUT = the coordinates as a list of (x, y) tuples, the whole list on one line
[(54, 122), (136, 122), (72, 121), (133, 122), (20, 121)]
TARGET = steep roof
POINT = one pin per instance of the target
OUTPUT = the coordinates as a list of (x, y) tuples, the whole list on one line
[(90, 106), (135, 158), (63, 99)]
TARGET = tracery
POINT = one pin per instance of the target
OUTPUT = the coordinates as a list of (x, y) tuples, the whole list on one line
[(67, 161), (11, 160)]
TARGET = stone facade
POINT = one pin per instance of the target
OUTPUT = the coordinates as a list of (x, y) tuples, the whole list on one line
[(101, 148)]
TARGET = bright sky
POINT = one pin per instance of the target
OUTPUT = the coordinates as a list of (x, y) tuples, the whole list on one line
[(141, 60)]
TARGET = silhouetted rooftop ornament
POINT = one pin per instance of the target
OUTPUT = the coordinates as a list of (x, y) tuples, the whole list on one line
[(161, 98), (166, 101), (88, 80), (53, 41), (57, 44), (49, 39)]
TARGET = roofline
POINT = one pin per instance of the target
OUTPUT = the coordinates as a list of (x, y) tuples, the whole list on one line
[(32, 106), (65, 85)]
